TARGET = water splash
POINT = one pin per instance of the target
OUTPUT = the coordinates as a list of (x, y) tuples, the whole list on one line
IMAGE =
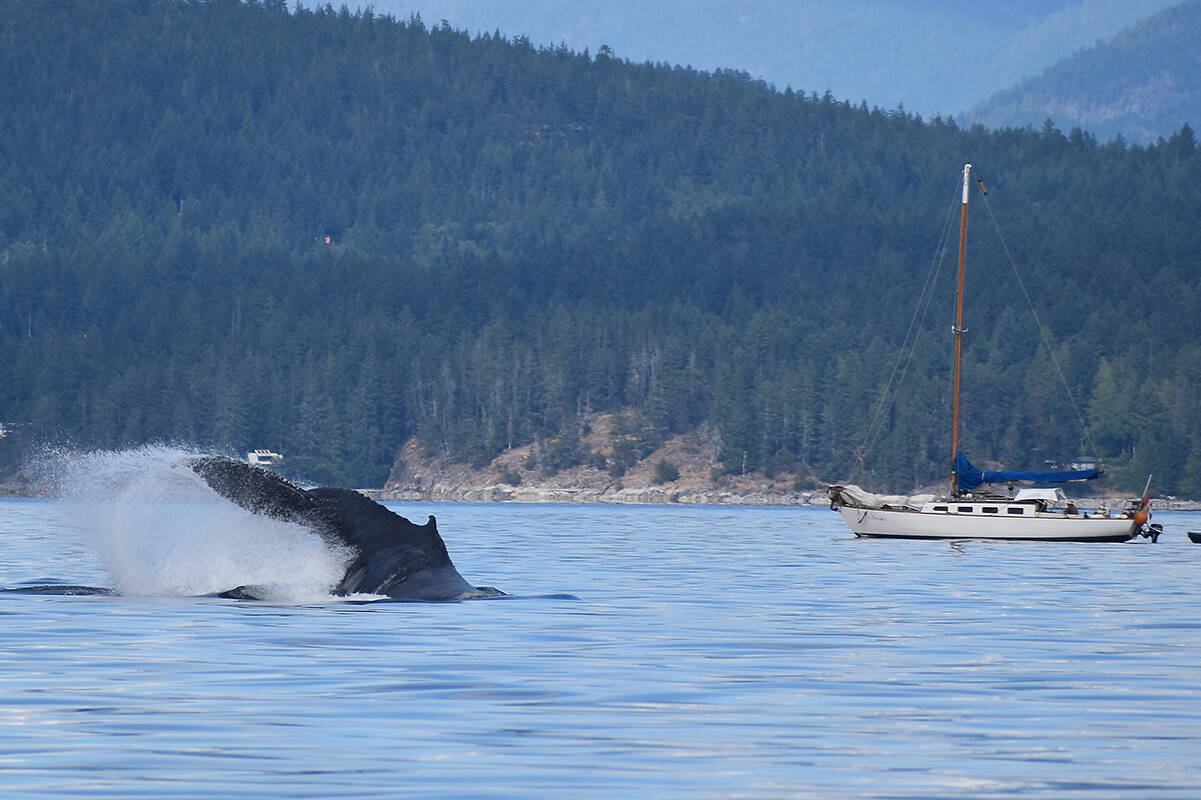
[(159, 530)]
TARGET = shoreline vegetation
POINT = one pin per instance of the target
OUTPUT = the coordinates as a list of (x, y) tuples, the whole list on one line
[(608, 463), (681, 470), (328, 233), (689, 478), (614, 461)]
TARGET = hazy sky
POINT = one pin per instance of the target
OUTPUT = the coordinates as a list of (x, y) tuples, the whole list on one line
[(934, 56)]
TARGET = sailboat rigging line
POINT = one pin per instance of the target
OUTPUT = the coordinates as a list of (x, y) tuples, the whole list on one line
[(1038, 323), (887, 395)]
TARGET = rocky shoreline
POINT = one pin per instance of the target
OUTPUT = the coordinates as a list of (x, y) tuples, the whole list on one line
[(513, 477), (646, 495), (667, 495), (681, 470), (516, 477)]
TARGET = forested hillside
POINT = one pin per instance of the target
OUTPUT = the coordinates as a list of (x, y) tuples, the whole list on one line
[(1141, 84), (231, 225)]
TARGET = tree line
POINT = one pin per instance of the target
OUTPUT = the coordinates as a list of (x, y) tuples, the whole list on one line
[(233, 225)]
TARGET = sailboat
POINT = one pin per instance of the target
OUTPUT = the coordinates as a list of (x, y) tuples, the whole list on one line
[(970, 512)]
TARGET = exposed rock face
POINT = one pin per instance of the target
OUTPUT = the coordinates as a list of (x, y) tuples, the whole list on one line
[(548, 493), (515, 476)]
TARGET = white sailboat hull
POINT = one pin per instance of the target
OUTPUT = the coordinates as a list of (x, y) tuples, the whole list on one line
[(907, 523)]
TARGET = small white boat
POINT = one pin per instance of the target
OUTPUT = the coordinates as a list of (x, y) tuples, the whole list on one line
[(967, 513), (263, 458)]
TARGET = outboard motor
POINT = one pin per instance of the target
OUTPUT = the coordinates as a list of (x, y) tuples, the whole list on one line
[(1151, 532)]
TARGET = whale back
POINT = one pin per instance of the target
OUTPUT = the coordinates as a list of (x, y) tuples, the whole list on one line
[(389, 554), (394, 556)]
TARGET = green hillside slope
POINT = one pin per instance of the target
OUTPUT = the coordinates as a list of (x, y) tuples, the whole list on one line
[(321, 232)]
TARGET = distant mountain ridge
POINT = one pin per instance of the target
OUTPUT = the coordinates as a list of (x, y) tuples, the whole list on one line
[(929, 56), (1143, 84)]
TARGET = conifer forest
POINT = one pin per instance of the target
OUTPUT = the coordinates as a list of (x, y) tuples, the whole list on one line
[(238, 224)]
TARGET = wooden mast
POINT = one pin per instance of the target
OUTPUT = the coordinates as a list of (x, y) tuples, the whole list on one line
[(959, 330)]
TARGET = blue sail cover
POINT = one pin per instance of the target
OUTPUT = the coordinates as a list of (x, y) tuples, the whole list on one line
[(969, 477)]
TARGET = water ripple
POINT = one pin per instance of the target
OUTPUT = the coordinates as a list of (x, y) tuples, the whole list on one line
[(650, 652)]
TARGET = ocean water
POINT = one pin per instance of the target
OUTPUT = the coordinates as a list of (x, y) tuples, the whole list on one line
[(713, 652)]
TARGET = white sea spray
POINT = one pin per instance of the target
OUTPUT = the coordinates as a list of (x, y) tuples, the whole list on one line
[(159, 530)]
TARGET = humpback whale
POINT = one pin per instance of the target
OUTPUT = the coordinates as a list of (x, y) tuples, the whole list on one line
[(389, 555)]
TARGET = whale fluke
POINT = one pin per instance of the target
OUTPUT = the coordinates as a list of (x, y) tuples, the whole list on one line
[(389, 554)]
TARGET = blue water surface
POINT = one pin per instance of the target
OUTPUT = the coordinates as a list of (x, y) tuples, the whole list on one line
[(667, 651)]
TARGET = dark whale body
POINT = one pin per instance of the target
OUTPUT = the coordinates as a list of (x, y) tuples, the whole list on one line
[(389, 554), (61, 588)]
